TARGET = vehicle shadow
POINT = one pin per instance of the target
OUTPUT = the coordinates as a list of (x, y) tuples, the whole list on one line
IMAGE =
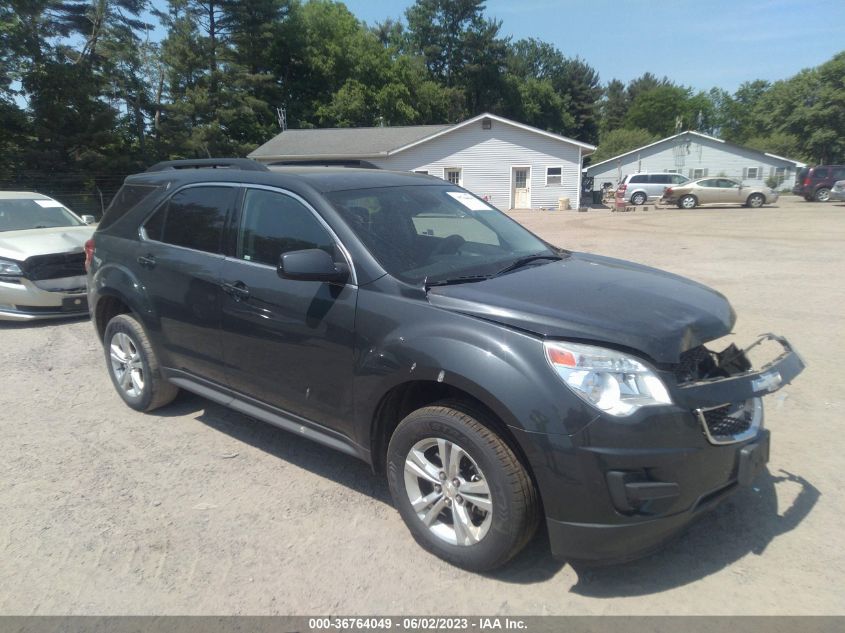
[(307, 454), (744, 524)]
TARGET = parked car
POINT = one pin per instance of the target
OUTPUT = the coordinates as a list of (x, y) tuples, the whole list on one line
[(719, 191), (640, 188), (815, 183), (838, 191), (400, 319), (42, 273)]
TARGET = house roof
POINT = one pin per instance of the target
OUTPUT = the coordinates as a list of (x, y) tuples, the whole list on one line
[(700, 135), (374, 142)]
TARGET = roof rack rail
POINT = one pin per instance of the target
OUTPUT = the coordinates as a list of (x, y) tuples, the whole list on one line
[(328, 162), (244, 164)]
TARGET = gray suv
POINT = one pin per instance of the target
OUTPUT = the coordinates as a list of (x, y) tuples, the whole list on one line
[(642, 188)]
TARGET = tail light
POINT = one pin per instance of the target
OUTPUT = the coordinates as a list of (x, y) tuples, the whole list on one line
[(621, 188), (668, 191), (89, 253), (807, 182)]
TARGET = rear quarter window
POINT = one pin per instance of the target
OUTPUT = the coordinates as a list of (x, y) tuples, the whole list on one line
[(641, 178), (127, 198)]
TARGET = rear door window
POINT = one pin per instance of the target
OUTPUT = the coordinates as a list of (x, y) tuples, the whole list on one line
[(820, 173), (660, 179), (193, 218)]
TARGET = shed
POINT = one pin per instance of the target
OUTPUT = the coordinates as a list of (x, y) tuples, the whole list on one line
[(697, 155)]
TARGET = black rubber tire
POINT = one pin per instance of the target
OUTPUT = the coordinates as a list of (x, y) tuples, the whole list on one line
[(808, 198), (638, 198), (755, 201), (516, 508), (688, 197), (157, 391), (822, 194)]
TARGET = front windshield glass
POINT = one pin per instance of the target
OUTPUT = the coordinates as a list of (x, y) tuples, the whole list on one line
[(433, 233), (20, 214)]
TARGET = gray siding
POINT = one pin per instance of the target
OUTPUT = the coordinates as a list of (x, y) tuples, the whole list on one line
[(485, 158), (692, 153)]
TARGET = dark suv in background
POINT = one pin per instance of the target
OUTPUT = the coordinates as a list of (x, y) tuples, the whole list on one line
[(815, 183), (495, 378)]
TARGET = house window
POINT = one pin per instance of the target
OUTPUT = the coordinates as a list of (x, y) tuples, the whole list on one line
[(672, 171), (486, 124), (453, 175), (553, 175), (752, 173), (697, 173)]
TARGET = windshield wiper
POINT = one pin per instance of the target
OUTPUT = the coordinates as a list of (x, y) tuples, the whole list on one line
[(455, 280), (522, 261)]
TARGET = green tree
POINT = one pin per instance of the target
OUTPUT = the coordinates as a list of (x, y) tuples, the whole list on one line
[(658, 109), (620, 141), (614, 106)]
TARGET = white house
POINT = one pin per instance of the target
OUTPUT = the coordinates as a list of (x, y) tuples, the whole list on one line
[(510, 164), (696, 155)]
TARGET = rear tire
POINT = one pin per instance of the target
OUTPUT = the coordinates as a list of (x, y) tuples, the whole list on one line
[(439, 446), (638, 199), (133, 366), (688, 202), (755, 201), (808, 198), (822, 194)]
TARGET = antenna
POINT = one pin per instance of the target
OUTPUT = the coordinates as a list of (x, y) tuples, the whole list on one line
[(282, 115)]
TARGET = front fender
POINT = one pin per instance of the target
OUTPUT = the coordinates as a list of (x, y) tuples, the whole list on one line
[(503, 368)]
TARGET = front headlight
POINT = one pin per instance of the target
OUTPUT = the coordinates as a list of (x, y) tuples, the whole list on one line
[(613, 382), (9, 269)]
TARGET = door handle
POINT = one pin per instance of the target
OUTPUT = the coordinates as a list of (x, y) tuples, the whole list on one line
[(237, 290), (147, 261)]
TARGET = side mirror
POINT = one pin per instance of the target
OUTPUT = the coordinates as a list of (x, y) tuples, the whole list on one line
[(89, 219), (312, 264)]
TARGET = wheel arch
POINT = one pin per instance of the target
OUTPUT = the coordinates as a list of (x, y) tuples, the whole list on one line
[(409, 396)]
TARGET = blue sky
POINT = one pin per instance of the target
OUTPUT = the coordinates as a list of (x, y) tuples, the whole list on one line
[(698, 43)]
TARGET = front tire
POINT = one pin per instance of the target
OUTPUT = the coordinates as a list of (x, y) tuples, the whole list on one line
[(688, 202), (460, 489), (755, 201), (133, 366), (822, 194)]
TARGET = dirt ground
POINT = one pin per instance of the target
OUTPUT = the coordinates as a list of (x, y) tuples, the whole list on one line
[(199, 510)]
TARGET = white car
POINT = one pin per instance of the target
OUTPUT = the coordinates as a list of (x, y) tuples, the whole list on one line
[(838, 191), (42, 258)]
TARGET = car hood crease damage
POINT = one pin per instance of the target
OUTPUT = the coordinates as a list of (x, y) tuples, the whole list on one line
[(583, 296)]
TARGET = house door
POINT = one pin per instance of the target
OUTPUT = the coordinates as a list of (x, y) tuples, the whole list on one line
[(521, 187)]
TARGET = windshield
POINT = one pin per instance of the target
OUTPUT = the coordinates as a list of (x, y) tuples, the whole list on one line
[(433, 233), (20, 214)]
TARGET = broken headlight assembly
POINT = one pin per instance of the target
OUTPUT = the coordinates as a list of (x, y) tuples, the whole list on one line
[(613, 382)]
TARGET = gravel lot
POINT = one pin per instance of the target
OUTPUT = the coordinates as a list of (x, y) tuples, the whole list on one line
[(196, 509)]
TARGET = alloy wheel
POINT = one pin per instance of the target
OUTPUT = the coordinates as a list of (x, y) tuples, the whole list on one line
[(126, 364), (448, 491)]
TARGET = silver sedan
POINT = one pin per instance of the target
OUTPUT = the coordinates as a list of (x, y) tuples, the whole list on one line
[(719, 191)]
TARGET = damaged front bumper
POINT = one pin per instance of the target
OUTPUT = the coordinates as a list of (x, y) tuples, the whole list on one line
[(621, 487)]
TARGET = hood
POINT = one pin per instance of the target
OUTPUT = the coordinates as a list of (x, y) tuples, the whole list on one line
[(19, 245), (594, 298)]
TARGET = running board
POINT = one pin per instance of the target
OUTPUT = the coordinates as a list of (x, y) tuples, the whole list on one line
[(287, 422)]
